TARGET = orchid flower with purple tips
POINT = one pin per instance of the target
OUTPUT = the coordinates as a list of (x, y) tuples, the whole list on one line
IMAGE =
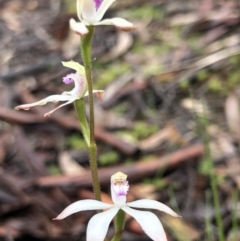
[(79, 91), (99, 223), (90, 12)]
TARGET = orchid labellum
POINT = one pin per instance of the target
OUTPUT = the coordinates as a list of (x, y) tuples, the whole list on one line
[(79, 91)]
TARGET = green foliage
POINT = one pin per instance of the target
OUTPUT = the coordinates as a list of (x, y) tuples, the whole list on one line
[(208, 163), (53, 169), (142, 130), (107, 74), (214, 84), (224, 80), (150, 102), (202, 75), (75, 141), (70, 6), (122, 107), (193, 42), (234, 60), (151, 69), (233, 79), (146, 12), (159, 183), (128, 160), (173, 200), (108, 158), (184, 83), (205, 167), (150, 63), (235, 216), (208, 227)]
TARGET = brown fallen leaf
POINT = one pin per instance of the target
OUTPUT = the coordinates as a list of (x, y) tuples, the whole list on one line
[(142, 191), (196, 106), (124, 42), (180, 229), (86, 194), (232, 112), (169, 133), (221, 144), (142, 168), (69, 166), (233, 235)]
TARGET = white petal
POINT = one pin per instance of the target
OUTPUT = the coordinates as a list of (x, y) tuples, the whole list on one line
[(98, 93), (103, 8), (120, 23), (60, 106), (149, 222), (99, 223), (146, 203), (88, 11), (79, 9), (82, 205), (78, 27), (51, 98)]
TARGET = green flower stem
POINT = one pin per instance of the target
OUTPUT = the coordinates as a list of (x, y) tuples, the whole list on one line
[(80, 109), (119, 222), (217, 207), (213, 178), (86, 55)]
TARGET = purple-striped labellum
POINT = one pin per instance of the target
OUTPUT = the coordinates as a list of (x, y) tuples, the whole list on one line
[(98, 3)]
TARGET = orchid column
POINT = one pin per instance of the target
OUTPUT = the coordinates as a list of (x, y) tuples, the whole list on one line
[(90, 13)]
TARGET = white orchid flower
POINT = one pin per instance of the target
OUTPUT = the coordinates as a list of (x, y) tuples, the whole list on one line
[(99, 223), (90, 12), (79, 91)]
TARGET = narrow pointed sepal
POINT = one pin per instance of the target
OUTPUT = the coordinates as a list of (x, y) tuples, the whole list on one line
[(75, 66), (103, 8), (60, 106), (149, 222), (78, 27), (99, 223), (152, 204), (98, 93), (51, 98), (82, 205), (120, 23)]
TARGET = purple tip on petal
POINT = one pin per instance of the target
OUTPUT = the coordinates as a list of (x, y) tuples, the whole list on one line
[(68, 79), (98, 3)]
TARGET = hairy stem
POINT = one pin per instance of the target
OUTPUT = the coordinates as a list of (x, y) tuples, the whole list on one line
[(119, 222), (86, 55)]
